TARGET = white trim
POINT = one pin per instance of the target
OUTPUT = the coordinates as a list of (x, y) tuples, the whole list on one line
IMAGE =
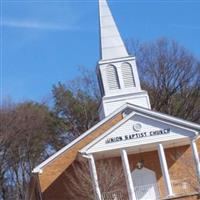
[(38, 169), (191, 125), (121, 81), (127, 173), (169, 123), (139, 145), (165, 171), (93, 173), (165, 116), (128, 58), (196, 158), (84, 149), (124, 95)]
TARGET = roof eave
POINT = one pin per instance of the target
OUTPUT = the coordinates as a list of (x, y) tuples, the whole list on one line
[(39, 168)]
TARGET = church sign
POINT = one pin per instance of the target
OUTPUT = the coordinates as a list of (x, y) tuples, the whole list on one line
[(137, 135)]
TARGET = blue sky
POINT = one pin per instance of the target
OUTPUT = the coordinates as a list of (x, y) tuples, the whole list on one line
[(45, 42)]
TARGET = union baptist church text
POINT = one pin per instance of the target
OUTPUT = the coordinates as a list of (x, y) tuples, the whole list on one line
[(137, 135)]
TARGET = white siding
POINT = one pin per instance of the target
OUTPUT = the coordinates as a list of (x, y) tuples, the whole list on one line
[(148, 125)]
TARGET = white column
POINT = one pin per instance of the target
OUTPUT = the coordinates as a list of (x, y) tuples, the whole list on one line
[(196, 158), (121, 81), (94, 176), (165, 171), (127, 173)]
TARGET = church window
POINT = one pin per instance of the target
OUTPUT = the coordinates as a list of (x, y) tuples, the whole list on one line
[(127, 74), (112, 78)]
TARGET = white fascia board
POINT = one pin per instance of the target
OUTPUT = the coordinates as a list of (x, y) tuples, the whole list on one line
[(139, 144), (122, 59), (124, 96), (191, 125), (38, 169), (84, 149), (176, 120), (170, 123)]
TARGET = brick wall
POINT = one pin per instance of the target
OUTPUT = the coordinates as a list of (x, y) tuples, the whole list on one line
[(176, 160), (54, 169), (178, 170), (53, 181), (188, 197)]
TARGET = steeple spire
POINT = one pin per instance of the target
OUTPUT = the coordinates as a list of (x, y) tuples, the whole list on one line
[(117, 70), (112, 45)]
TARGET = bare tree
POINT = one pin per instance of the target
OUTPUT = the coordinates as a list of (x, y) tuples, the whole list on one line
[(187, 165), (30, 132), (26, 135), (171, 75), (78, 182)]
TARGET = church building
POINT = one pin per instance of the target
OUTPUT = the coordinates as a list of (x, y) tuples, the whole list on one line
[(133, 152)]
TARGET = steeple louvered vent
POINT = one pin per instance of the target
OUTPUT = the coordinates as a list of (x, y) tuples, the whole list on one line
[(112, 77), (127, 74)]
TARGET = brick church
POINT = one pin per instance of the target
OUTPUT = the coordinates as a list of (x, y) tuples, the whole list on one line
[(133, 153)]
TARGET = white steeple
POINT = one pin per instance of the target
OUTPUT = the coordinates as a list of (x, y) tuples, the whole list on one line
[(112, 45), (117, 70)]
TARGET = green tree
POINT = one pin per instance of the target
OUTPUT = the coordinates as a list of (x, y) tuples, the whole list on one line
[(76, 103)]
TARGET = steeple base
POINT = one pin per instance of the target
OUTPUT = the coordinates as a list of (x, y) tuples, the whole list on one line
[(110, 104)]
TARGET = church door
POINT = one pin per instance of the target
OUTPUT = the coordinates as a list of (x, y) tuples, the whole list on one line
[(145, 184)]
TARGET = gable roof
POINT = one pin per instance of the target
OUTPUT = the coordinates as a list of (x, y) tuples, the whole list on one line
[(156, 114), (123, 128), (53, 167), (39, 168), (163, 116), (57, 163)]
